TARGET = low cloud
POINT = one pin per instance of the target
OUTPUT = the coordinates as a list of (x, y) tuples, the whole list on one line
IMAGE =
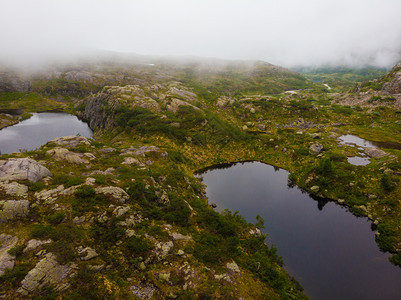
[(283, 32)]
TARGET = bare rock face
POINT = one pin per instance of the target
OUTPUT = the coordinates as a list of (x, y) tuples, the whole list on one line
[(46, 272), (394, 86), (21, 169), (11, 209), (373, 152), (182, 93), (114, 192), (233, 267), (180, 237), (144, 290), (70, 141), (114, 97), (162, 249), (12, 83), (62, 154), (7, 260), (175, 104), (14, 189), (224, 101), (49, 196), (33, 244), (315, 148), (142, 151), (87, 253)]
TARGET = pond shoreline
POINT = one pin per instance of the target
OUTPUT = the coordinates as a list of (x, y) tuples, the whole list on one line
[(249, 204), (314, 195), (33, 132)]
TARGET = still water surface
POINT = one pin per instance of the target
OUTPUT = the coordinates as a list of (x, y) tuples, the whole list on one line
[(39, 129), (331, 252), (351, 139)]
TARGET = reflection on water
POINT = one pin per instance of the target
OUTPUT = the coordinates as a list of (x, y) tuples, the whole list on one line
[(350, 139), (356, 140), (39, 129), (330, 251), (358, 161)]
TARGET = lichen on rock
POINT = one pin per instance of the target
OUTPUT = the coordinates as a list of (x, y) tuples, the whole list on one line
[(22, 169)]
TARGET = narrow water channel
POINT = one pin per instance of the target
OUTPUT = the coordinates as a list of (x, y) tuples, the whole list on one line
[(331, 252), (39, 129)]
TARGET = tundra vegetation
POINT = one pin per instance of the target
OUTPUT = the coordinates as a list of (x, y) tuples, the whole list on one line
[(128, 219)]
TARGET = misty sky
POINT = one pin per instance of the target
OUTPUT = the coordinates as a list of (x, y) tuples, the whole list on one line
[(282, 32)]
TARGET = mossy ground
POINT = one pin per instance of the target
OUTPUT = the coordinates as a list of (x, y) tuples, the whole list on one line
[(211, 135)]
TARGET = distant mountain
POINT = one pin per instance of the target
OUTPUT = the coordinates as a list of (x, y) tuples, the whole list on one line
[(208, 77)]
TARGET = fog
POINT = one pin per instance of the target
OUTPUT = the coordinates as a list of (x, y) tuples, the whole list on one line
[(283, 32)]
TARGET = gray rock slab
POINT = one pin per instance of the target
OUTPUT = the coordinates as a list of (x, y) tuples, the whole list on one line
[(21, 169), (7, 260)]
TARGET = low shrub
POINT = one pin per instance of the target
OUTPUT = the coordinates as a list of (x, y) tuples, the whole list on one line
[(67, 181), (138, 246), (56, 218)]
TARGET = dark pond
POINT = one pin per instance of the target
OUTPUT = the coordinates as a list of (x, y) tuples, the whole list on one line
[(330, 251), (39, 129)]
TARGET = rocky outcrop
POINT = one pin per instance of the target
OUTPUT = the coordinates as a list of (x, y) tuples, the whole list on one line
[(162, 249), (88, 253), (224, 101), (394, 86), (100, 108), (7, 260), (33, 244), (113, 192), (144, 290), (14, 189), (180, 237), (12, 83), (182, 93), (175, 104), (22, 169), (49, 196), (301, 124), (11, 209), (374, 152), (315, 148), (62, 154), (70, 141), (47, 272), (233, 267)]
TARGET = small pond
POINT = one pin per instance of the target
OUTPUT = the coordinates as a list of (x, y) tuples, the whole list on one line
[(331, 252), (32, 133), (360, 142), (358, 160)]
